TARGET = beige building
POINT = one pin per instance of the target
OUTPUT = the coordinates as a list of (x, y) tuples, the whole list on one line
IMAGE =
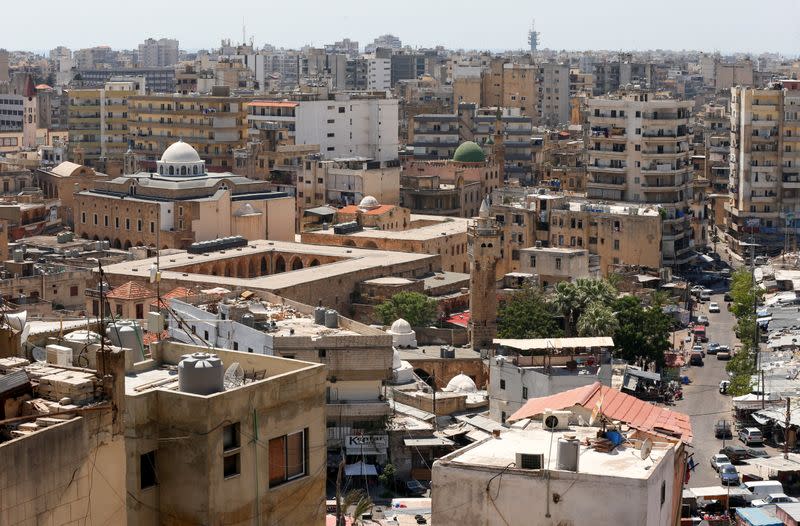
[(181, 203), (638, 144), (556, 264), (214, 125), (765, 167), (63, 182)]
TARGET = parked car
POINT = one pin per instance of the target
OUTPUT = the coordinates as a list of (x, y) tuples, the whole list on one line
[(727, 297), (414, 488), (713, 307), (696, 359), (751, 435), (735, 453), (761, 260), (719, 460), (728, 474), (756, 452), (702, 319), (712, 347), (723, 386), (697, 289), (723, 355), (722, 429), (705, 295), (773, 498), (761, 488), (699, 348)]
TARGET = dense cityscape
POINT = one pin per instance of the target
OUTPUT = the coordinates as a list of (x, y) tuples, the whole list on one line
[(378, 283)]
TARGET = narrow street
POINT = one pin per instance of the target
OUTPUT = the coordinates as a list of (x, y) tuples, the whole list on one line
[(702, 400)]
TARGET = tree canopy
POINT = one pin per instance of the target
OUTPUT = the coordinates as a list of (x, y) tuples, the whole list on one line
[(527, 314), (643, 334), (745, 295), (417, 309)]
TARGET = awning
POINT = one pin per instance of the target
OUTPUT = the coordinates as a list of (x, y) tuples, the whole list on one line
[(359, 469), (542, 344), (428, 442), (647, 375), (320, 211), (760, 419)]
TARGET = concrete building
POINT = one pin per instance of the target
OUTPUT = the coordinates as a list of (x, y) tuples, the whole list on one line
[(98, 122), (158, 53), (344, 125), (422, 96), (158, 80), (552, 265), (434, 136), (213, 125), (181, 203), (254, 447), (11, 114), (554, 94), (4, 77), (379, 73), (638, 143), (764, 167), (385, 41)]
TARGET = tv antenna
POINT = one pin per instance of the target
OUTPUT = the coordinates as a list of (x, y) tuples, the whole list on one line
[(234, 376)]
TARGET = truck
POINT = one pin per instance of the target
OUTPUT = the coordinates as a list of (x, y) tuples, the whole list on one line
[(699, 333)]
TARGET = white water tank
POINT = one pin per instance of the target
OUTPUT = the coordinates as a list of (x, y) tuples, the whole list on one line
[(568, 453), (331, 319), (127, 334), (59, 355), (319, 315), (200, 373)]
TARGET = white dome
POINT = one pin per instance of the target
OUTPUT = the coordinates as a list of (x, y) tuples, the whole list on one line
[(369, 202), (180, 152), (401, 326), (461, 383)]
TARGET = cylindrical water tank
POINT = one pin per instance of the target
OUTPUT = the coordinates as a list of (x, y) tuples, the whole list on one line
[(319, 315), (18, 256), (200, 373), (568, 453), (331, 319), (127, 334), (248, 319)]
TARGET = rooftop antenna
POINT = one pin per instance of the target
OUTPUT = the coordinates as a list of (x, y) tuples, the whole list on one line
[(244, 33), (234, 376)]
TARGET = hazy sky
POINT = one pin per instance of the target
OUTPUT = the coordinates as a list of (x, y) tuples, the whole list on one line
[(729, 25)]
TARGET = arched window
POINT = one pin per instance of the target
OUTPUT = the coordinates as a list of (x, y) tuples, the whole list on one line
[(161, 170), (172, 170), (183, 170), (194, 169)]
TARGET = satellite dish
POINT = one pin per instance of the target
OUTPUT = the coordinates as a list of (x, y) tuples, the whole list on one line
[(23, 337), (551, 422), (647, 447), (17, 320), (234, 376), (39, 354)]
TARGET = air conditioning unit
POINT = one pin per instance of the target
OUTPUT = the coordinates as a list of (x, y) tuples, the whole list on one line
[(556, 420), (530, 461)]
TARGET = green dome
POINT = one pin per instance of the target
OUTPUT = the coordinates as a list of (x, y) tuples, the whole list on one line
[(469, 152)]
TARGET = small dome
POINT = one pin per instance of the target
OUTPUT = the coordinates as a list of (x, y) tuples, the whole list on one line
[(246, 210), (484, 211), (369, 202), (401, 326), (461, 383), (180, 152), (469, 152)]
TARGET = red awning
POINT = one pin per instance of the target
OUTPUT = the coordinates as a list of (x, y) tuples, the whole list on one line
[(461, 319)]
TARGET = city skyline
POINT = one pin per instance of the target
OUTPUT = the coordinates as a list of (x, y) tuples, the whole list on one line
[(312, 22)]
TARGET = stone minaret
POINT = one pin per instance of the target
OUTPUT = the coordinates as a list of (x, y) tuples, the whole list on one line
[(484, 243), (130, 165)]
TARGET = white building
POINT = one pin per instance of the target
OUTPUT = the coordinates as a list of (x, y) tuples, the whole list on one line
[(344, 125), (379, 73), (537, 476), (554, 101), (158, 53)]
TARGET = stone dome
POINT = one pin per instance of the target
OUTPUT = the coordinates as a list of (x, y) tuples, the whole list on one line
[(461, 383), (369, 203), (401, 326), (180, 152), (469, 152)]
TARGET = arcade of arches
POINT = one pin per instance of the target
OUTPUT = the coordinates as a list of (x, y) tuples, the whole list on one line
[(256, 265)]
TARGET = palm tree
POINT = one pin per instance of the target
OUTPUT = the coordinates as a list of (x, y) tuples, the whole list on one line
[(567, 301), (659, 298), (594, 290), (360, 504), (598, 320)]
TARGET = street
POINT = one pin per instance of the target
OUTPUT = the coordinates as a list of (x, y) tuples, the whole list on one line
[(701, 399)]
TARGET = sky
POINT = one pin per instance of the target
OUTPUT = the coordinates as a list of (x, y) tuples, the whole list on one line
[(708, 25)]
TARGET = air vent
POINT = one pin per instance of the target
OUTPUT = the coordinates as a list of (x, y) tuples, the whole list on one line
[(530, 461)]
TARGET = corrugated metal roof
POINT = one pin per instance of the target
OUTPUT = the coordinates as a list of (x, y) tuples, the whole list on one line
[(428, 442), (615, 405), (13, 380), (555, 343)]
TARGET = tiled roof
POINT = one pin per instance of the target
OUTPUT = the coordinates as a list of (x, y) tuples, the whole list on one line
[(177, 292), (616, 405), (131, 291), (353, 209), (460, 318), (151, 337)]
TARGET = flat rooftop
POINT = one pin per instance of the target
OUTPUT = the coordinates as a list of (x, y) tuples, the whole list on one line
[(498, 453), (443, 227), (431, 352)]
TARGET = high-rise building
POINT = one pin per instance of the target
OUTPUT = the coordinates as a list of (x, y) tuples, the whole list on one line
[(638, 145), (3, 65), (389, 41), (764, 167), (554, 94), (484, 252), (157, 53)]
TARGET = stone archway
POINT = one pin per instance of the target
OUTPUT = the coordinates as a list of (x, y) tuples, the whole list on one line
[(95, 238), (426, 377), (280, 265), (297, 263), (251, 268), (127, 245), (241, 271), (349, 243), (264, 266), (314, 263), (117, 243), (370, 244)]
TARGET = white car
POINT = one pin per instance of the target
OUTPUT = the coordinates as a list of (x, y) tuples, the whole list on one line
[(719, 460), (702, 320), (713, 307), (772, 498)]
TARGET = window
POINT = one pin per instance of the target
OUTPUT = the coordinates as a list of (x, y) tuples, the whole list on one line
[(205, 335), (139, 225), (116, 222), (118, 309), (558, 263), (287, 458), (502, 417), (341, 109), (502, 384), (616, 244), (152, 227), (95, 219), (230, 450), (147, 470), (663, 492), (139, 311), (73, 291), (533, 261), (83, 217), (524, 393), (235, 346)]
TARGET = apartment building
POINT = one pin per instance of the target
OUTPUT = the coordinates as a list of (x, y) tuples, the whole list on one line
[(553, 84), (157, 80), (434, 136), (420, 96), (715, 123), (11, 114), (98, 121), (158, 53), (214, 125), (638, 148), (764, 167), (344, 125)]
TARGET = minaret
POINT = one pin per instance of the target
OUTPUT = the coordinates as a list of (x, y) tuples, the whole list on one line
[(129, 167), (484, 251)]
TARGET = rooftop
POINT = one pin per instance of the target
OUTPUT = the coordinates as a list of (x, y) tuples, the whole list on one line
[(442, 227)]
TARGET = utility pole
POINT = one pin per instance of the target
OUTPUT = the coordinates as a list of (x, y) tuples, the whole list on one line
[(786, 428)]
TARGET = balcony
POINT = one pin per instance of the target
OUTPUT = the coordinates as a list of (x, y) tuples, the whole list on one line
[(598, 120), (664, 137), (661, 188), (607, 154), (612, 183), (665, 169), (770, 198), (356, 408), (663, 155), (610, 169), (791, 181)]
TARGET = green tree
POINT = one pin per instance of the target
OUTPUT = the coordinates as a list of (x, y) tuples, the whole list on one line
[(742, 370), (567, 300), (417, 309), (358, 503), (597, 320), (745, 295), (527, 314), (643, 334)]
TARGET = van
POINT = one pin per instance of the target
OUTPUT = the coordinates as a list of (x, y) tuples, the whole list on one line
[(751, 435), (761, 488)]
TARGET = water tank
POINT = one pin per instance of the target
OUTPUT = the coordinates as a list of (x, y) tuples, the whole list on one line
[(98, 245), (200, 373), (319, 315), (568, 452), (18, 255), (248, 319), (331, 319), (106, 244), (127, 334)]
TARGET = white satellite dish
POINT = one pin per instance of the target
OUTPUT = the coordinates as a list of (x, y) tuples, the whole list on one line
[(17, 320), (39, 354), (23, 337), (647, 447), (234, 376)]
